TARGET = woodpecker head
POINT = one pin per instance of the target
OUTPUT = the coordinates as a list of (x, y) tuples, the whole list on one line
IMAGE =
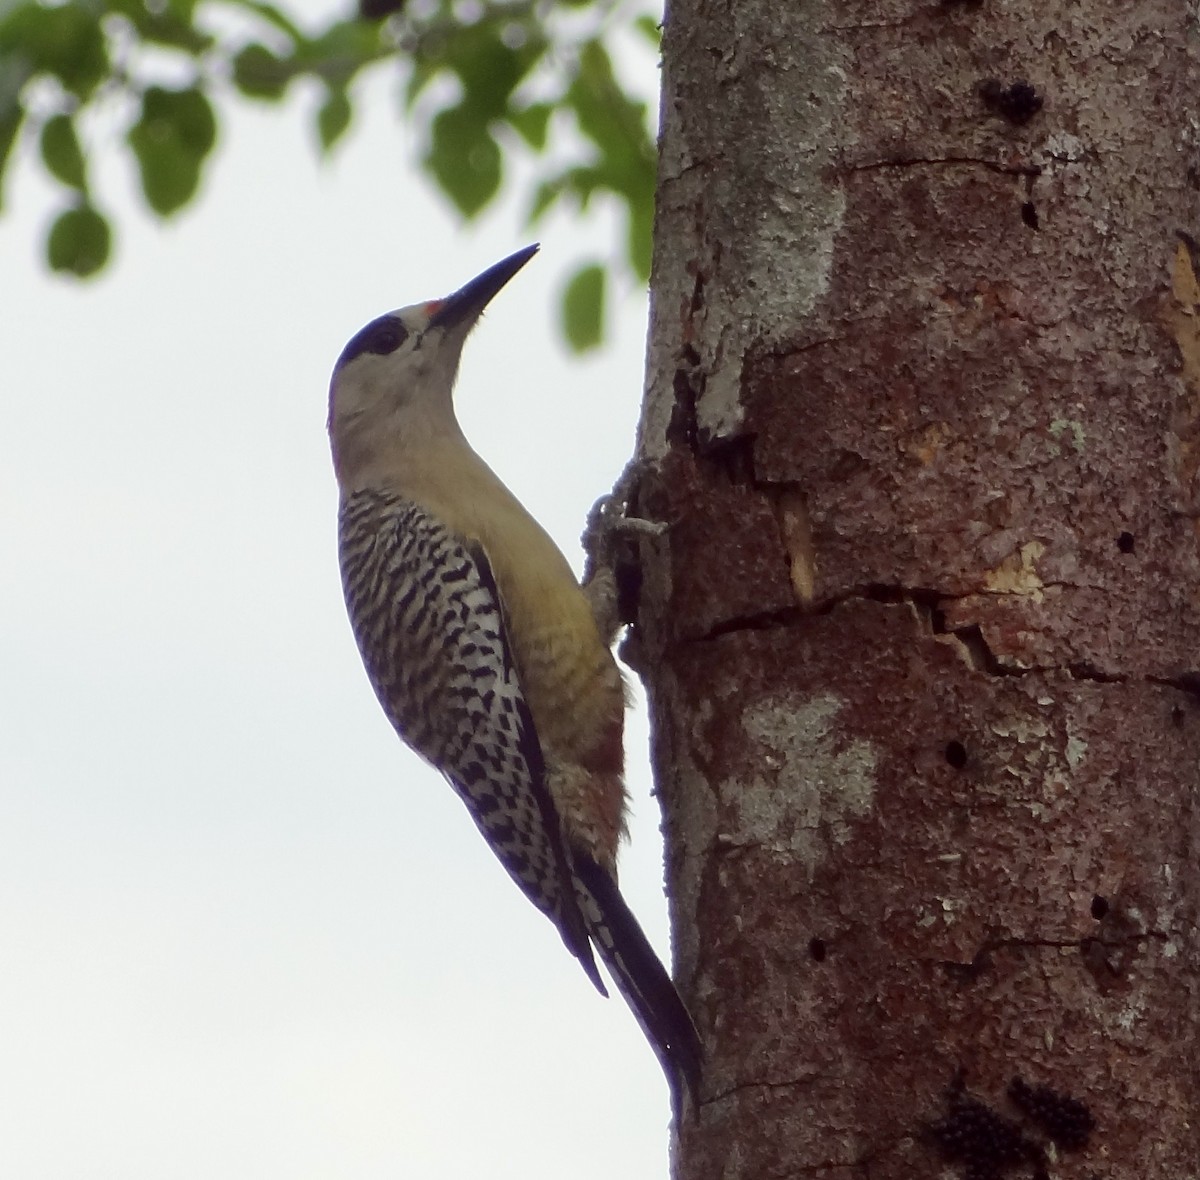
[(395, 376)]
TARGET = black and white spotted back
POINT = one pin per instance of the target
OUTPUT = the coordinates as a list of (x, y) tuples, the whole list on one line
[(429, 623)]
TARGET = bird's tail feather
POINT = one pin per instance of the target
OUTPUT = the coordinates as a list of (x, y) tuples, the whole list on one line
[(641, 978)]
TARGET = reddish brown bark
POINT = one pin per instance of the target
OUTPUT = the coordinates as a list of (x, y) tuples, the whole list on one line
[(922, 630)]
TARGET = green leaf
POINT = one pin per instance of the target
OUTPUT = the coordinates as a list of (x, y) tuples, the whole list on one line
[(185, 10), (176, 132), (337, 54), (258, 73), (10, 125), (649, 27), (488, 68), (333, 119), (464, 159), (166, 24), (273, 16), (421, 72), (61, 152), (79, 242), (639, 239), (14, 73), (583, 308), (489, 57), (14, 26), (532, 123), (545, 196), (183, 115), (613, 122), (65, 41), (581, 182)]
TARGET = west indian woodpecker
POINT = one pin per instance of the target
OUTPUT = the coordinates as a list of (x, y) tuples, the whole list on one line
[(483, 649)]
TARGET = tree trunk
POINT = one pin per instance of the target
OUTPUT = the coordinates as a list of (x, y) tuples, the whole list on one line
[(921, 632)]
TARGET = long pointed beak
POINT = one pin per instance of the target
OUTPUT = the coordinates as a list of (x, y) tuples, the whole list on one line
[(465, 305)]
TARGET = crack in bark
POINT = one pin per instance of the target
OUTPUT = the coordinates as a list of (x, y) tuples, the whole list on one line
[(863, 26), (742, 1087), (927, 604), (1032, 170), (796, 349), (981, 961)]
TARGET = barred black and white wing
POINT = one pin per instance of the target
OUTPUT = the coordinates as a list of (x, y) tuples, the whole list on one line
[(425, 610)]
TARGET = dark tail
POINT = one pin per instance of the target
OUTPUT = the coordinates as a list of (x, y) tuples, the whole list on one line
[(641, 978)]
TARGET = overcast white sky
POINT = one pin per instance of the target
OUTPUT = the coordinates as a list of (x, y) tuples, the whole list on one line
[(243, 932)]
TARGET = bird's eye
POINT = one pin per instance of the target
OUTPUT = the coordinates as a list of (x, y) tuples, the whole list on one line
[(381, 336), (386, 335)]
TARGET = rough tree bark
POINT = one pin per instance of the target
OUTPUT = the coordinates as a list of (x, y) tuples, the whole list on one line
[(921, 632)]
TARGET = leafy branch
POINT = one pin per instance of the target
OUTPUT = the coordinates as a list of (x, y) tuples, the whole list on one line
[(484, 82)]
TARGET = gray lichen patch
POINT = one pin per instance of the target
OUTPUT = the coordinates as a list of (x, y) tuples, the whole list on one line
[(747, 217), (812, 783)]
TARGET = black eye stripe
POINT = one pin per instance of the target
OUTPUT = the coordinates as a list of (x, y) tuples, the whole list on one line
[(380, 336)]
